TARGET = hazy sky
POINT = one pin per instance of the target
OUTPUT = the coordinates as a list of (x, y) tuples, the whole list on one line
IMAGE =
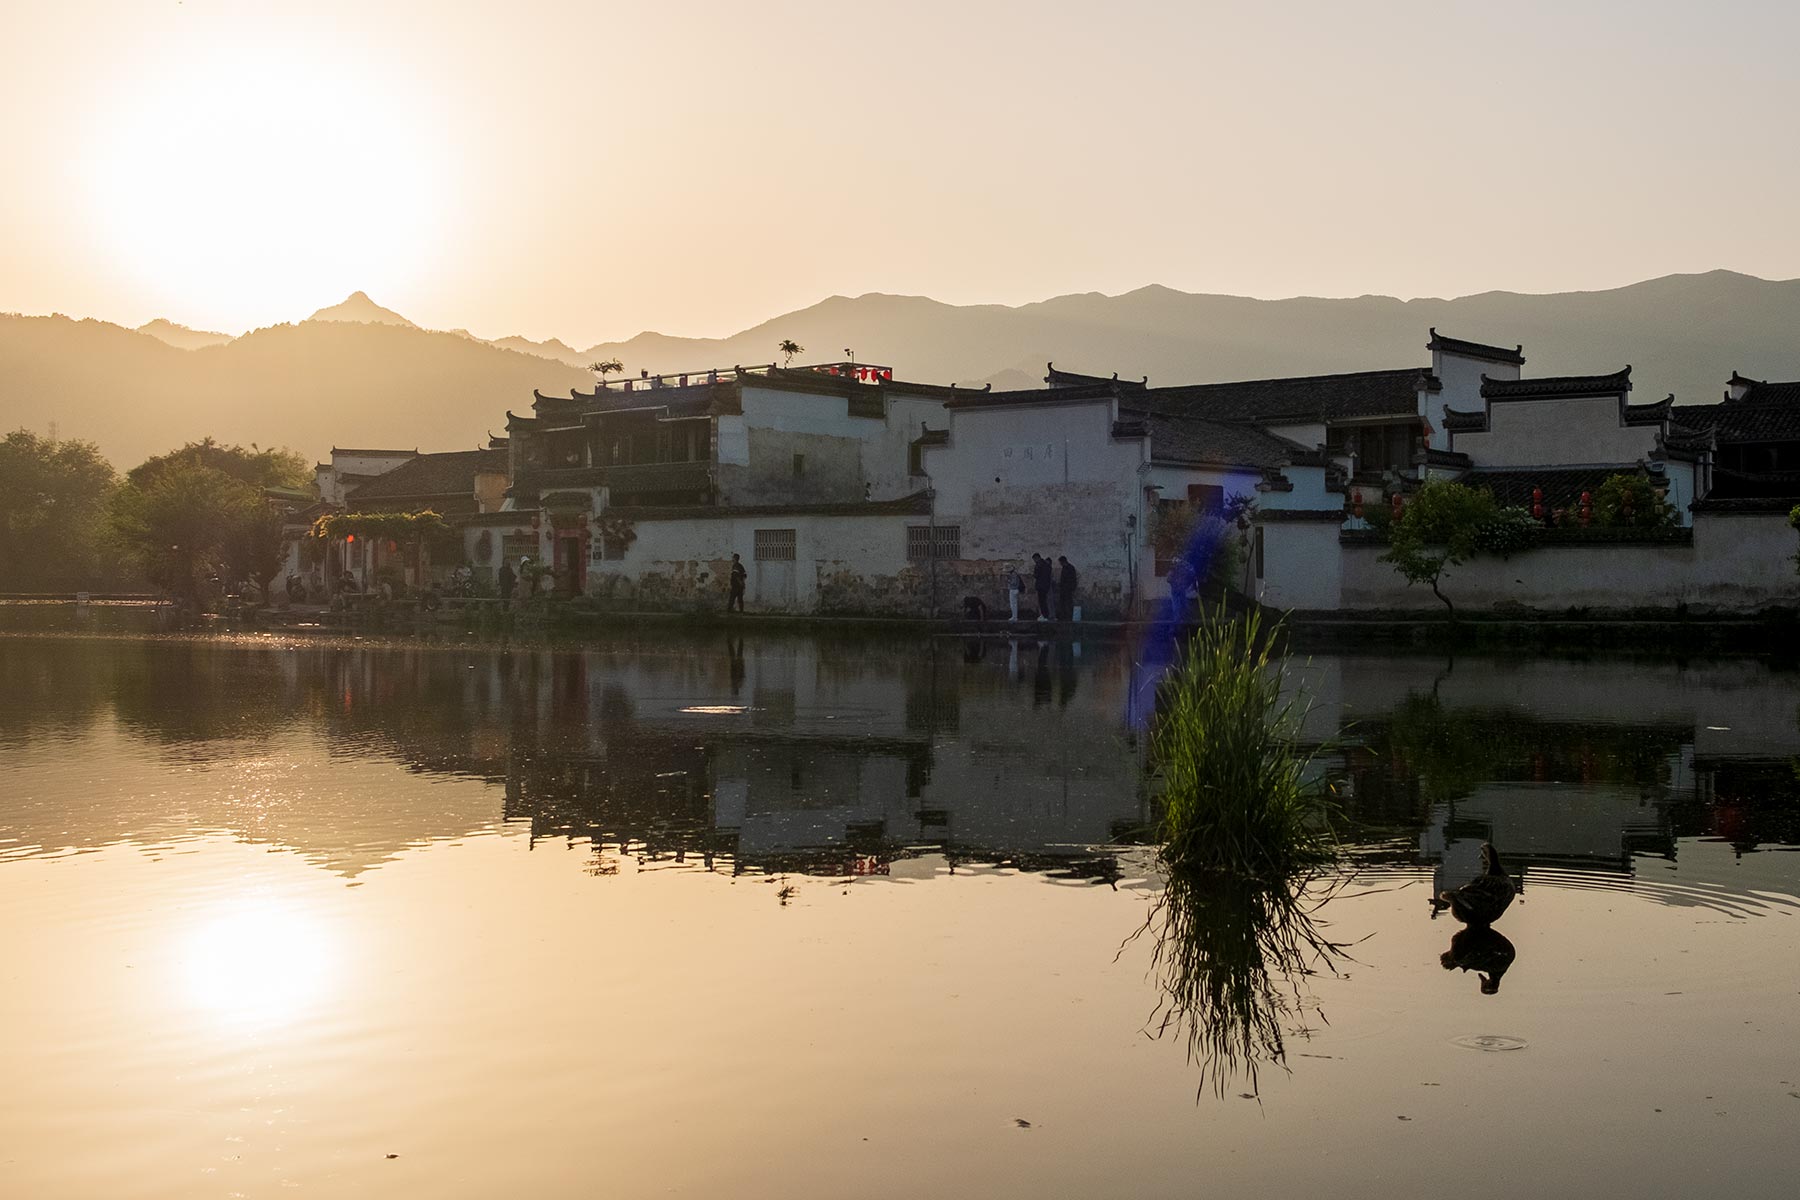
[(587, 170)]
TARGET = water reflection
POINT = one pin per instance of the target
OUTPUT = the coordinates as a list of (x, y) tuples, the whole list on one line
[(843, 755), (257, 961), (1481, 949), (1231, 957)]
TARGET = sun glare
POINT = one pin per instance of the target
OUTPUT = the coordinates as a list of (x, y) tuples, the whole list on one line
[(258, 962), (252, 186)]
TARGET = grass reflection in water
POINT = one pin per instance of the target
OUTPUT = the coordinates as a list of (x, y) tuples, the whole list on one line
[(1231, 956)]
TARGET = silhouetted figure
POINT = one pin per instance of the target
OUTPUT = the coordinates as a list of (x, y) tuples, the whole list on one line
[(1483, 950), (1065, 585), (739, 577), (508, 581), (974, 608), (1481, 902), (1014, 585), (1040, 575)]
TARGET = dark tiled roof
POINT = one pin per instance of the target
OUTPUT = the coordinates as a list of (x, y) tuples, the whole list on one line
[(1562, 485), (1647, 414), (1300, 514), (374, 453), (1743, 420), (626, 477), (1761, 391), (1359, 394), (1433, 457), (1458, 421), (933, 437), (695, 400), (1497, 354), (1223, 443), (513, 516), (1075, 394), (919, 503), (1063, 379), (451, 474), (1745, 505), (1556, 385)]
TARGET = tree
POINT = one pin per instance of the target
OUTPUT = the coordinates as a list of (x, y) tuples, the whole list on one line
[(53, 497), (605, 367), (185, 523), (258, 467), (1631, 500), (788, 348), (1441, 527)]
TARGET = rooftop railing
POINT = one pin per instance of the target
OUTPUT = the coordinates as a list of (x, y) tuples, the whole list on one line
[(870, 373)]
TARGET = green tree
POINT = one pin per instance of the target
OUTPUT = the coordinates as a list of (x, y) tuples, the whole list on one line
[(1631, 500), (258, 467), (605, 367), (53, 497), (1439, 528), (186, 522), (788, 347)]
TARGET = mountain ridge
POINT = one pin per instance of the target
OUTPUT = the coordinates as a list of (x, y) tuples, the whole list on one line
[(313, 383)]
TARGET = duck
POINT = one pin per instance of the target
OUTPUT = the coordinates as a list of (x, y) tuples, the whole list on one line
[(1481, 901)]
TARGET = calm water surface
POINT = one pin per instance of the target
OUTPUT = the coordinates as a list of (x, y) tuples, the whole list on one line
[(785, 916)]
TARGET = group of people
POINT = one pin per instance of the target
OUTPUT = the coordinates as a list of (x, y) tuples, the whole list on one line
[(1055, 584)]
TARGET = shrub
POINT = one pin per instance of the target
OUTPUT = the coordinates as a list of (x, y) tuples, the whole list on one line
[(1631, 500), (1508, 532), (1234, 793)]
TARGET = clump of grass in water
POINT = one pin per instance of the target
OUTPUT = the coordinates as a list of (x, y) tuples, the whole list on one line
[(1235, 797), (1247, 850)]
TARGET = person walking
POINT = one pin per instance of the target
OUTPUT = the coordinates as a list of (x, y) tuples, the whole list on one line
[(1040, 577), (508, 581), (739, 577), (1065, 584), (1014, 585)]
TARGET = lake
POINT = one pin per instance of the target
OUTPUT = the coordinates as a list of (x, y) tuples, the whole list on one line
[(691, 913)]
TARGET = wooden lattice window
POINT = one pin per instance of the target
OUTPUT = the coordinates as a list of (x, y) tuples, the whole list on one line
[(774, 545), (924, 542)]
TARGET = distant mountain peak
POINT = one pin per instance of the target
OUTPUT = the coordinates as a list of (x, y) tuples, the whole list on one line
[(357, 307), (180, 336)]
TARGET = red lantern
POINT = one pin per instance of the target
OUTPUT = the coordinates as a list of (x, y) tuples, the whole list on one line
[(392, 545), (1537, 503), (1356, 502), (1587, 507), (350, 539), (1399, 504)]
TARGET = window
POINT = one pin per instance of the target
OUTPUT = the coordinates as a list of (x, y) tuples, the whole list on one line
[(774, 545), (799, 465), (1207, 497), (915, 459), (923, 540)]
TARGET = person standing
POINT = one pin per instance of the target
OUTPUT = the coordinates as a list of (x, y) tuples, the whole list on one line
[(508, 581), (1065, 584), (739, 577), (1040, 578), (1014, 585)]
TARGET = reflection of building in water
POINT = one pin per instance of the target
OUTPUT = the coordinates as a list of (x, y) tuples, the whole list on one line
[(1570, 768), (836, 764)]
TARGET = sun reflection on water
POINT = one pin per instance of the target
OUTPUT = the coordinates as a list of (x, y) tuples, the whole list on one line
[(259, 961)]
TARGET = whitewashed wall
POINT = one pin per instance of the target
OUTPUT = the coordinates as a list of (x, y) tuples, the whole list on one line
[(1302, 565), (839, 561), (1552, 432), (1046, 477), (1737, 563)]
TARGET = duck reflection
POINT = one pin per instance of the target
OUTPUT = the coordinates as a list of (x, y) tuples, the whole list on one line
[(1481, 949), (1231, 958)]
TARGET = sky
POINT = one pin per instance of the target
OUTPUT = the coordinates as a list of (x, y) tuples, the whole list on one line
[(588, 170)]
